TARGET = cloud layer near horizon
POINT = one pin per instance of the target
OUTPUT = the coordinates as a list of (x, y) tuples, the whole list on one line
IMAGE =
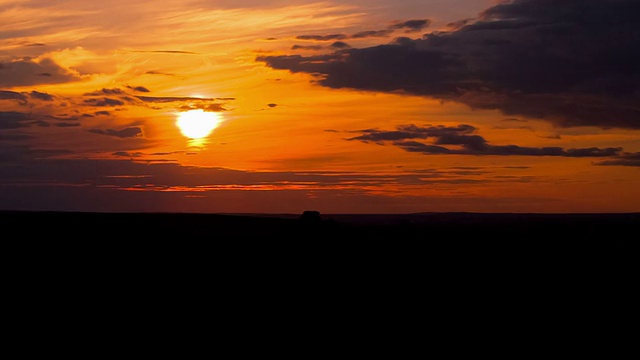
[(572, 62), (463, 140)]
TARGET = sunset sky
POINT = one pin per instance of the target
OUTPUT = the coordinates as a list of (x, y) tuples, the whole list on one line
[(342, 106)]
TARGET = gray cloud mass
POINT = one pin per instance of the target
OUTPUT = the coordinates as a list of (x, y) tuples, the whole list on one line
[(25, 72), (571, 62), (461, 140)]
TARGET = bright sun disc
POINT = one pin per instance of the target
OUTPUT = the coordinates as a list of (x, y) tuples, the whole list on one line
[(197, 124)]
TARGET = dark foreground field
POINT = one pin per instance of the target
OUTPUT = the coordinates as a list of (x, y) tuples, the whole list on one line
[(410, 250), (435, 227)]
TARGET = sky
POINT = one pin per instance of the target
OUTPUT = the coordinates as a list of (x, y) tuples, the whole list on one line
[(350, 106)]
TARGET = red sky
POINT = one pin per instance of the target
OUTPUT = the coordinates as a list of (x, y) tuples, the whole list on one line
[(345, 106)]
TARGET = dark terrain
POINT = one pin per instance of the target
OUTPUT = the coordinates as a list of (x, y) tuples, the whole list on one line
[(330, 227), (406, 250)]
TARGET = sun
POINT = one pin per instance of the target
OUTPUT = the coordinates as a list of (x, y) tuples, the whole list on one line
[(196, 124)]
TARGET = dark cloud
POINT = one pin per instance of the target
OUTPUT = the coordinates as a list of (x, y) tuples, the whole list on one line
[(205, 107), (411, 25), (41, 96), (13, 137), (104, 91), (461, 140), (139, 88), (457, 25), (629, 159), (14, 120), (164, 99), (127, 154), (93, 185), (105, 113), (12, 95), (514, 120), (272, 105), (306, 47), (110, 173), (371, 33), (193, 103), (340, 45), (26, 72), (214, 107), (124, 133), (152, 72), (323, 37), (572, 62), (63, 117), (67, 124), (408, 26), (22, 98), (103, 102)]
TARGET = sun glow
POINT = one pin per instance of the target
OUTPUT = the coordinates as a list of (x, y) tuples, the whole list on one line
[(197, 124)]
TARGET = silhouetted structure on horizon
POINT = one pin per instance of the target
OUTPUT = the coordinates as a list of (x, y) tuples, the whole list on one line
[(311, 216)]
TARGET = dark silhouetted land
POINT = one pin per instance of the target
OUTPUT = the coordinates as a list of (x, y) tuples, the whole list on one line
[(407, 250), (330, 227)]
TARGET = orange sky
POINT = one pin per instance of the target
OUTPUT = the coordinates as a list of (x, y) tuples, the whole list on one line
[(336, 106)]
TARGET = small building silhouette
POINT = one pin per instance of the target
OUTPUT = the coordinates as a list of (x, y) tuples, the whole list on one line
[(311, 216)]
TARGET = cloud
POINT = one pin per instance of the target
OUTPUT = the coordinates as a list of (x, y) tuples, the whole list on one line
[(371, 33), (335, 46), (12, 95), (41, 96), (26, 72), (462, 140), (127, 154), (124, 133), (105, 91), (166, 52), (22, 97), (193, 103), (323, 37), (411, 25), (164, 99), (153, 72), (139, 88), (103, 102), (67, 124), (340, 45), (628, 159), (205, 107), (130, 175), (14, 120), (572, 63), (408, 26), (306, 47), (62, 118)]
